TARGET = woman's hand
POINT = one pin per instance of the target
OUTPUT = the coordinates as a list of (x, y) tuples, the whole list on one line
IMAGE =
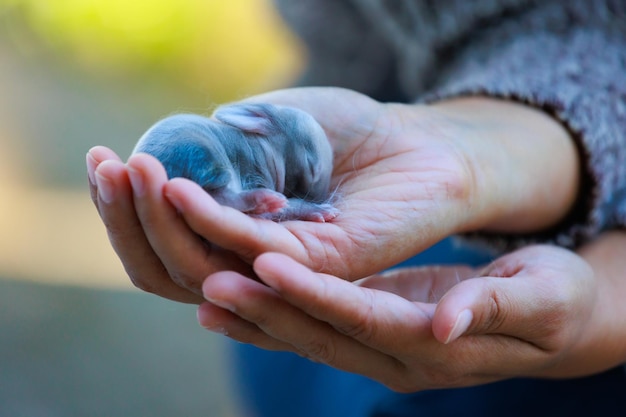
[(540, 311), (406, 176)]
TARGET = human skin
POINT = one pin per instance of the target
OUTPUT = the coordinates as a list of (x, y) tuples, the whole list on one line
[(541, 311), (407, 176)]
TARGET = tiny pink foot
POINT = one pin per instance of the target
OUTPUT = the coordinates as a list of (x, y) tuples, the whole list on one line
[(264, 200), (321, 213)]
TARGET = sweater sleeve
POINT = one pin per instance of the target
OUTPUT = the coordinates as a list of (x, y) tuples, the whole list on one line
[(569, 59), (342, 48)]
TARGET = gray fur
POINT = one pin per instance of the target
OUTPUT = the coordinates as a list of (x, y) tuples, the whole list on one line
[(269, 161)]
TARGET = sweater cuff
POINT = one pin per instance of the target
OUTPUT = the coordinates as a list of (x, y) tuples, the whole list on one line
[(578, 77)]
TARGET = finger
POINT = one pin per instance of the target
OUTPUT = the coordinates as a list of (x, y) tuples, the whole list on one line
[(495, 319), (115, 202), (230, 228), (222, 321), (369, 316), (528, 297), (95, 156), (187, 258), (486, 350), (289, 326), (474, 304)]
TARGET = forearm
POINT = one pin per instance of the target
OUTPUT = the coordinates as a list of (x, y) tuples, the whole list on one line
[(577, 77), (523, 164)]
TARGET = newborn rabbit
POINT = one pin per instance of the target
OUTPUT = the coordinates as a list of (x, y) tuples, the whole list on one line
[(268, 161)]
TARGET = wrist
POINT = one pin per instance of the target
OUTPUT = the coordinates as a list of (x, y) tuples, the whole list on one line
[(523, 163), (603, 342)]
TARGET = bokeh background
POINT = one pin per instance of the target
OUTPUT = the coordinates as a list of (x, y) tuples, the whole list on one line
[(76, 339)]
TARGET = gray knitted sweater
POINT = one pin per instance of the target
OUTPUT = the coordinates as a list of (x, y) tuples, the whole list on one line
[(565, 57)]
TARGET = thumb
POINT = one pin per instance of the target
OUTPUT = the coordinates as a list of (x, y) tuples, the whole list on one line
[(490, 305)]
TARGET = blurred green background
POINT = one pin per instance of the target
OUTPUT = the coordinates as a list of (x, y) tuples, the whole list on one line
[(76, 338)]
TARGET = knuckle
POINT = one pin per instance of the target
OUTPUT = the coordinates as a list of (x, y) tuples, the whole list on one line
[(360, 330), (143, 281), (143, 284), (436, 375), (448, 371), (261, 319), (495, 311), (323, 351), (361, 327), (447, 379), (187, 281), (406, 384)]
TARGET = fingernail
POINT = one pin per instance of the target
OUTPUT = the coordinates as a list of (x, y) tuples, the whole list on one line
[(462, 323), (174, 200), (206, 323), (106, 191), (136, 179), (91, 168)]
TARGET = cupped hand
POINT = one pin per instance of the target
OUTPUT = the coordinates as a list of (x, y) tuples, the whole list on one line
[(533, 312), (406, 176)]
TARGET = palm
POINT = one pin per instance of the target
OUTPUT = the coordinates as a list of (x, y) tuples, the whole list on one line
[(389, 328), (387, 184), (399, 187)]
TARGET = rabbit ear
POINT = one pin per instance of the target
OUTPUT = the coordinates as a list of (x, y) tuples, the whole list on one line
[(251, 118)]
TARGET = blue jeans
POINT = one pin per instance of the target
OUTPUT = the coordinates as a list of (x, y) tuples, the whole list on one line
[(278, 384)]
